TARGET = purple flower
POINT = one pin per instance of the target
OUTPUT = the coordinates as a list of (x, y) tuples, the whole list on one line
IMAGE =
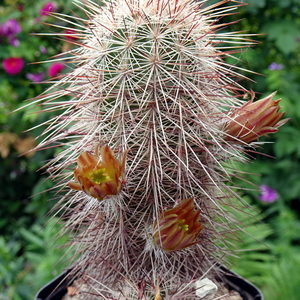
[(275, 66), (267, 194), (35, 77), (14, 41), (43, 49), (10, 28)]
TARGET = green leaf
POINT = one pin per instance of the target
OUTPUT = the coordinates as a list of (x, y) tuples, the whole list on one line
[(284, 281), (255, 5), (287, 141), (284, 3), (284, 33), (32, 238)]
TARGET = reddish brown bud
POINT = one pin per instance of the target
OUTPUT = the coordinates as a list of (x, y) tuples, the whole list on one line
[(99, 175), (178, 228), (254, 119)]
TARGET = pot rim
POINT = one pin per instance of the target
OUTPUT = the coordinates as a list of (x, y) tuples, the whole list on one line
[(57, 287)]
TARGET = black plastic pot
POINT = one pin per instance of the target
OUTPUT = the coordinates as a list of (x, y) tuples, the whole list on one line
[(57, 288), (247, 290)]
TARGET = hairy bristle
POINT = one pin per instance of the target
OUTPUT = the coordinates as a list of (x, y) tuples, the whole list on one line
[(149, 79)]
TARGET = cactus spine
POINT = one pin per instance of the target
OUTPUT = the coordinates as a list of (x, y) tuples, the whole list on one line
[(150, 85)]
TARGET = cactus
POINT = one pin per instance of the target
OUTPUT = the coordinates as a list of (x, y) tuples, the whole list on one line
[(147, 141)]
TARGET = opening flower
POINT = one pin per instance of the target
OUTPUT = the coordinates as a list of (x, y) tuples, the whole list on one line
[(99, 175), (268, 194), (13, 65), (255, 119), (55, 69), (179, 227)]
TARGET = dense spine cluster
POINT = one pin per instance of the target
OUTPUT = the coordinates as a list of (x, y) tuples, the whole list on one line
[(150, 88)]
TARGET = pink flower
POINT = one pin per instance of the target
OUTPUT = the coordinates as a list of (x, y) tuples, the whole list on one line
[(55, 69), (47, 8), (268, 194), (70, 34), (13, 65)]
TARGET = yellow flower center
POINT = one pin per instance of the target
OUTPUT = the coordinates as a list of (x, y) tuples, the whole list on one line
[(99, 176), (185, 227)]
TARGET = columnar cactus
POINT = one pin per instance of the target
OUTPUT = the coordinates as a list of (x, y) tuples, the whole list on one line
[(147, 141)]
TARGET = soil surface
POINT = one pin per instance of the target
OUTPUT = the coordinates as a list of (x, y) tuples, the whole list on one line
[(78, 292)]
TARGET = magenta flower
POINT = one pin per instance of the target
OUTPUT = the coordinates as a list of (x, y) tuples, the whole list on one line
[(13, 65), (47, 8), (10, 28), (70, 34), (55, 69), (268, 194), (35, 77), (20, 7)]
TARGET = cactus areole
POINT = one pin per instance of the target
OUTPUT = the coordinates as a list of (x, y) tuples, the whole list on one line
[(152, 125)]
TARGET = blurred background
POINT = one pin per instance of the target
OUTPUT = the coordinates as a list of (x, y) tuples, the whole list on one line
[(29, 256)]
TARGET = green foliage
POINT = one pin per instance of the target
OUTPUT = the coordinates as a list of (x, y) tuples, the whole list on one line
[(284, 34), (268, 256), (283, 282), (274, 272), (27, 258), (22, 275)]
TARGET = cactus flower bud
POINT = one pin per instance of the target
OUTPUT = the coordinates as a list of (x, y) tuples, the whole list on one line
[(178, 228), (255, 119), (99, 175)]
